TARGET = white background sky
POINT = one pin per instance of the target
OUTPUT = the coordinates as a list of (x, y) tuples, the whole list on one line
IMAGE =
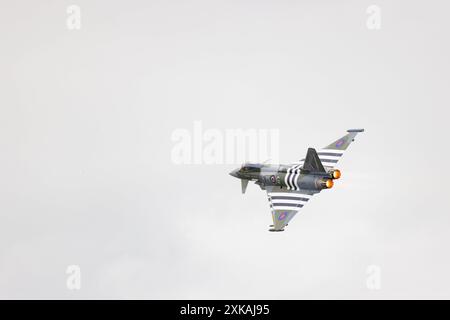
[(86, 119)]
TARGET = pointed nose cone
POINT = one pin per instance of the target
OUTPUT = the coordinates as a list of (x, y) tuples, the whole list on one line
[(234, 173)]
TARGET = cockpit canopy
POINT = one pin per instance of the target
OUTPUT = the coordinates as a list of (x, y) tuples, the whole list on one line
[(251, 167)]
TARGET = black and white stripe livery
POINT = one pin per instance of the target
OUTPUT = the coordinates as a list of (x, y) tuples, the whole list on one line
[(292, 175), (288, 200), (330, 157)]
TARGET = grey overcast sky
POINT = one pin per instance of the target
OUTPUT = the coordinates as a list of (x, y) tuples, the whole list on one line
[(86, 118)]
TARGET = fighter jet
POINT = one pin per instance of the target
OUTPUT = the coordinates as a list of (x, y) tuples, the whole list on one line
[(290, 187)]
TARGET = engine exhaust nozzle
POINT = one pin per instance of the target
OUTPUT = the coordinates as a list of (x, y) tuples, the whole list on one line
[(336, 174)]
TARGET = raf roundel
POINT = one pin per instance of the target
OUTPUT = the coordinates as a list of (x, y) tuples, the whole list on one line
[(282, 216), (340, 143)]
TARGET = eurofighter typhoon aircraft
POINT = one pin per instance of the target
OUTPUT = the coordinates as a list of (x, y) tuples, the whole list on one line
[(290, 187)]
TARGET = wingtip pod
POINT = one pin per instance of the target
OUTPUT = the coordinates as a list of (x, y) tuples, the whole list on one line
[(355, 130)]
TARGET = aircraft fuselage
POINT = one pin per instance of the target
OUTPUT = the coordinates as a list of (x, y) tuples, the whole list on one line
[(284, 176)]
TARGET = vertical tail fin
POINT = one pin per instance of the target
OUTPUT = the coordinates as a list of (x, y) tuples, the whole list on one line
[(312, 162)]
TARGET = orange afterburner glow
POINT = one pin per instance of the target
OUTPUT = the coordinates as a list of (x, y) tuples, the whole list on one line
[(336, 174), (329, 184)]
